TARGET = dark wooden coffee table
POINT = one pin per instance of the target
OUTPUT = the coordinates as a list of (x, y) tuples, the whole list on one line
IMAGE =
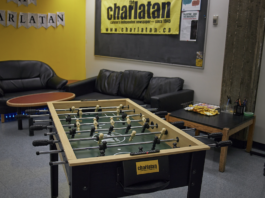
[(37, 100), (228, 124)]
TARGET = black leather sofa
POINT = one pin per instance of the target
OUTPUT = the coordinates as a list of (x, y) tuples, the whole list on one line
[(19, 78), (166, 94)]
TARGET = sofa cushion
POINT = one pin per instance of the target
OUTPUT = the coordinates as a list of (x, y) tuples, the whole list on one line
[(24, 75), (133, 83), (96, 95), (108, 82), (162, 85)]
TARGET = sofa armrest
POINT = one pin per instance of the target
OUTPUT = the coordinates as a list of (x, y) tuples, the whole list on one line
[(56, 82), (82, 87), (172, 101)]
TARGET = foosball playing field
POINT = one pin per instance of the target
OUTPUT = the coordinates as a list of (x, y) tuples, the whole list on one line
[(115, 148)]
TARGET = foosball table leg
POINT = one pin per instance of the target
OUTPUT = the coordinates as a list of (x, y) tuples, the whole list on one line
[(196, 173), (31, 132), (19, 122), (54, 174)]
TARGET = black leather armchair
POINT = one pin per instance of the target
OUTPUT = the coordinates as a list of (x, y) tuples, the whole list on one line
[(166, 94), (18, 78)]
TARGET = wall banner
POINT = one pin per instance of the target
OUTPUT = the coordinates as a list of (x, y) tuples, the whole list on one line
[(140, 16)]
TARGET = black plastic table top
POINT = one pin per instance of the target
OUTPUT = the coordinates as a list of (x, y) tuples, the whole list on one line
[(223, 120)]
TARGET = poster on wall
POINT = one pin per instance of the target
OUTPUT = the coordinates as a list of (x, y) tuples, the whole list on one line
[(3, 17), (190, 5), (189, 26), (140, 16)]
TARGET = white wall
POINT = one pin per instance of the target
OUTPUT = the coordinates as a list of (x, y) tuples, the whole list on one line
[(259, 133), (206, 83)]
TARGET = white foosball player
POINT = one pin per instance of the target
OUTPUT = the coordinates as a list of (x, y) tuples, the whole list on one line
[(100, 138), (80, 113), (128, 120), (143, 119), (95, 123), (97, 108), (112, 121), (77, 125), (132, 136), (163, 131), (72, 108)]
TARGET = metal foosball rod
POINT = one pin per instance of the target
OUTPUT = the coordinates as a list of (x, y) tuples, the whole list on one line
[(109, 146), (48, 142), (93, 129), (93, 108), (215, 145), (99, 117), (21, 117), (85, 124), (96, 113)]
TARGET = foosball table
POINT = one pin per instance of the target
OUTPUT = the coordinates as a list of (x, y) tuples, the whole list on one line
[(116, 148)]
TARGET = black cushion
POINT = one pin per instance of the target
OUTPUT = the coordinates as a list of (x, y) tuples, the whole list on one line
[(101, 96), (108, 82), (133, 83), (23, 75), (162, 85)]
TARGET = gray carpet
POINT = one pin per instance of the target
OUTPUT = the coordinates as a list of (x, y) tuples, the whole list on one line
[(23, 174)]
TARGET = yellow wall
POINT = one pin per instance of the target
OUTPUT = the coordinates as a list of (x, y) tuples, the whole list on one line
[(63, 48)]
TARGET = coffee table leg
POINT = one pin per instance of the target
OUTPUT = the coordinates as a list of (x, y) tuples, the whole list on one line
[(223, 151), (197, 132), (19, 122), (250, 135)]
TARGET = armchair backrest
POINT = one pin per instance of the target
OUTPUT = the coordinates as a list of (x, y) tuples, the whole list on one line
[(24, 75)]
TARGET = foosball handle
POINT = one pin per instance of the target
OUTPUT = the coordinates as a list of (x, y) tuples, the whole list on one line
[(42, 142), (161, 113), (179, 125), (224, 143), (20, 117), (38, 127), (215, 135), (57, 163), (32, 111)]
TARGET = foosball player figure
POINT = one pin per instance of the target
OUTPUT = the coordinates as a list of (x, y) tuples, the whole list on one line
[(128, 128), (99, 138), (155, 142), (97, 108), (95, 123), (163, 131), (112, 121), (132, 136), (77, 125), (92, 131), (145, 126), (102, 148), (110, 130), (72, 109), (68, 119), (123, 116), (80, 113), (72, 132)]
